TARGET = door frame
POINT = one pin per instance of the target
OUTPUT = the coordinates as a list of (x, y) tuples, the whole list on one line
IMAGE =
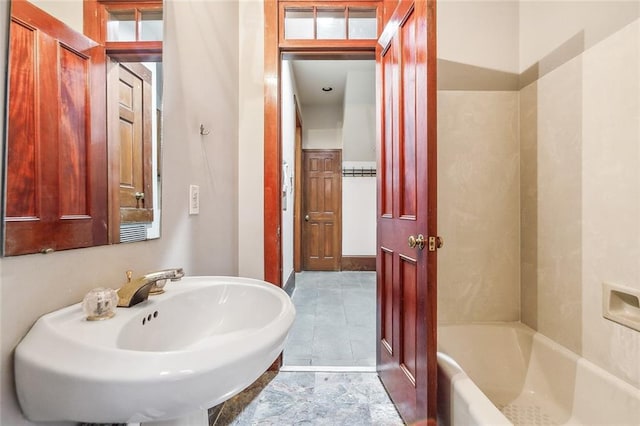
[(297, 194), (273, 52)]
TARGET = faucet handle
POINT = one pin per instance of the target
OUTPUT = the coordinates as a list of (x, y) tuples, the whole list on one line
[(129, 275)]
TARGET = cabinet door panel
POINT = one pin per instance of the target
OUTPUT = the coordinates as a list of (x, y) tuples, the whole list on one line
[(56, 159)]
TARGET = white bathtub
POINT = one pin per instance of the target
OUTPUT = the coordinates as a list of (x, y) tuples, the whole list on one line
[(505, 373)]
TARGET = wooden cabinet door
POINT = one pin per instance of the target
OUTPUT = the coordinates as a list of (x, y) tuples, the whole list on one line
[(406, 273), (56, 142), (322, 225)]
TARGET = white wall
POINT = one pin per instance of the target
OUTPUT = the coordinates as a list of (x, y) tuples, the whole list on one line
[(545, 26), (251, 140), (358, 212), (359, 150), (67, 11), (321, 127), (288, 137), (359, 122), (201, 65), (479, 33)]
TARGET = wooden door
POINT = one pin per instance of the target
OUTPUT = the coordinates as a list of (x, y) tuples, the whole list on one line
[(322, 202), (56, 142), (134, 137), (406, 273)]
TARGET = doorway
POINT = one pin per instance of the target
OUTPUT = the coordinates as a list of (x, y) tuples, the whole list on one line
[(405, 52), (328, 211)]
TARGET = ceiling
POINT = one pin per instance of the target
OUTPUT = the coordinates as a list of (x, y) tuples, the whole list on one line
[(312, 75)]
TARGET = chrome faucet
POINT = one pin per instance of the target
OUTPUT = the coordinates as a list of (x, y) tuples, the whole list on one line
[(137, 290)]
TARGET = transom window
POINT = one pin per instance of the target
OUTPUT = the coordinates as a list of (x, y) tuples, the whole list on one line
[(329, 22), (322, 23), (126, 24)]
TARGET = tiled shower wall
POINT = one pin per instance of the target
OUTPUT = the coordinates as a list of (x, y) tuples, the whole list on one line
[(580, 195), (539, 169), (478, 162), (478, 206)]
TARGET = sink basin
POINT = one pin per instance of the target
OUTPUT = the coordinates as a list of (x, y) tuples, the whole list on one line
[(198, 344)]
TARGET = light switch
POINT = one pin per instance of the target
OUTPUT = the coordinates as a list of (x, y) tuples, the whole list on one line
[(194, 199)]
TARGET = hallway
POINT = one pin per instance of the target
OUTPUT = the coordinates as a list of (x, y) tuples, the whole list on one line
[(335, 322)]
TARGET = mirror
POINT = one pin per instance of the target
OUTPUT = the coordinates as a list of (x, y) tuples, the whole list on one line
[(84, 126)]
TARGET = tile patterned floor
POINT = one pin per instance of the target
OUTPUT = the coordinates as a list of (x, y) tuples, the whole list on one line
[(335, 326), (335, 320), (309, 398)]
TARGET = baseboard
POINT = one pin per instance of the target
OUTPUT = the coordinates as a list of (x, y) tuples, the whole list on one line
[(290, 285), (358, 263)]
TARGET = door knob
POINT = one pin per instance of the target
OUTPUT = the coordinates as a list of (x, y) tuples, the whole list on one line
[(306, 218), (139, 195), (416, 242)]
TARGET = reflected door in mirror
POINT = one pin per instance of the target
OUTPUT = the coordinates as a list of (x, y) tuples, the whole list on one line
[(134, 118)]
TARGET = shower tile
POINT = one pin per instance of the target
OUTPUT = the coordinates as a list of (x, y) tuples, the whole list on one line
[(611, 199), (479, 271), (559, 204), (529, 205)]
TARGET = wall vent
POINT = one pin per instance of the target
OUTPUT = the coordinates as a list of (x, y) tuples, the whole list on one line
[(131, 232)]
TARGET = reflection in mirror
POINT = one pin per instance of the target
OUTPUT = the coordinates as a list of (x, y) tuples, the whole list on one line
[(83, 128), (135, 100)]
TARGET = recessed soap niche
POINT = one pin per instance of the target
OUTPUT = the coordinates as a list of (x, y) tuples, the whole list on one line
[(621, 304)]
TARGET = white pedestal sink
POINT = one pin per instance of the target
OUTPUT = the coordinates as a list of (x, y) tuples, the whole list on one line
[(198, 344)]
